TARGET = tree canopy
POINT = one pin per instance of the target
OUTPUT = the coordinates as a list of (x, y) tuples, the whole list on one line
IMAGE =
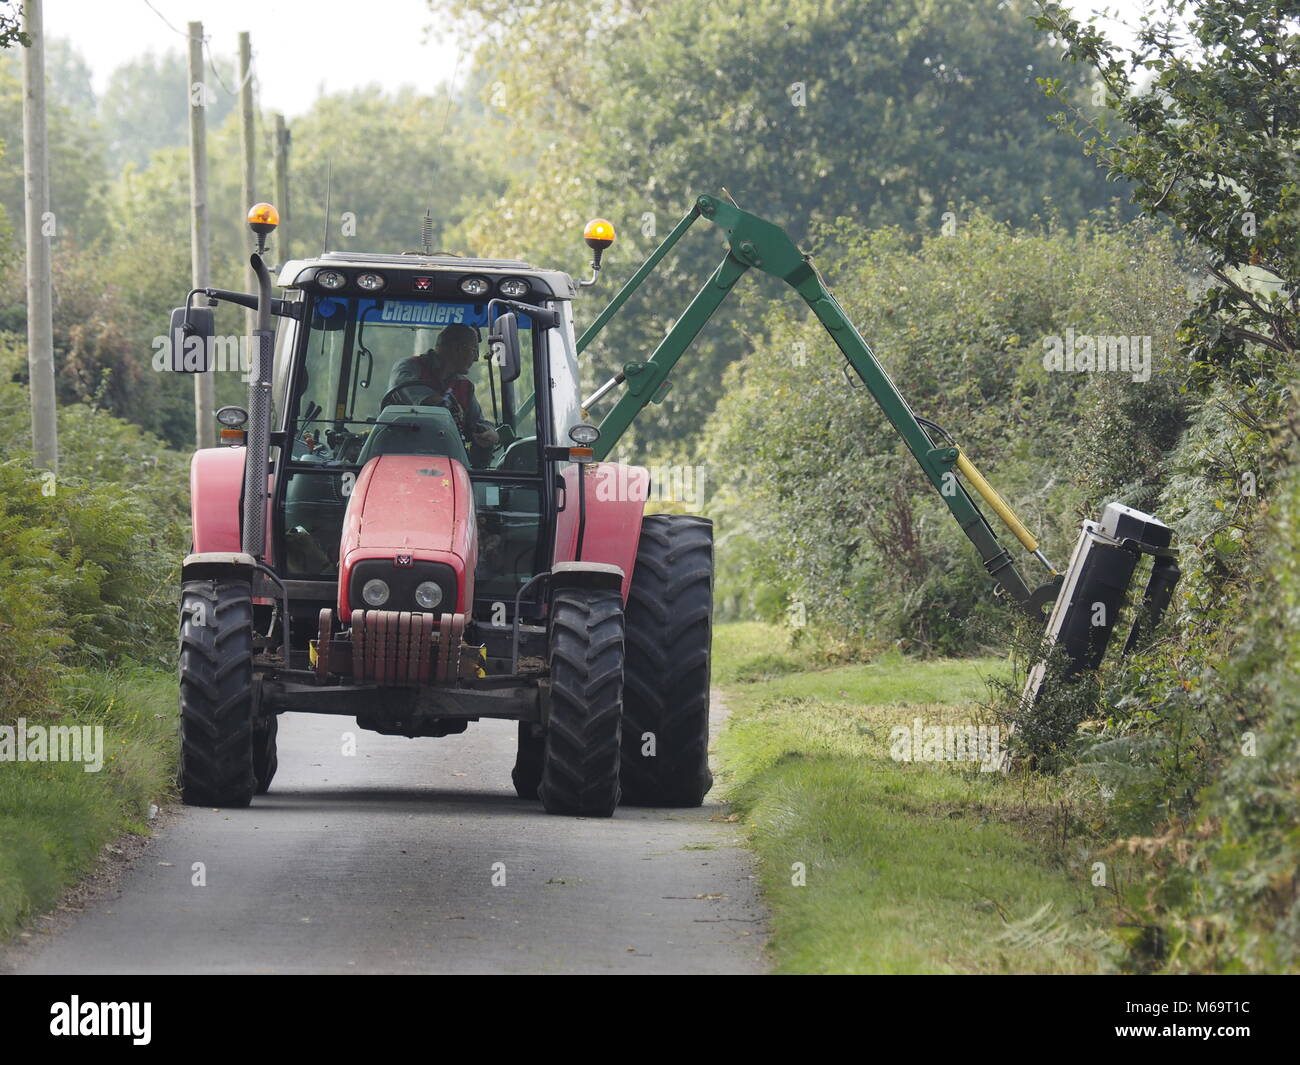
[(1209, 143), (883, 113)]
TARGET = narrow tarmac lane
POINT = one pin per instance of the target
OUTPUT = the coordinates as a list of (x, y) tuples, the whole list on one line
[(385, 862)]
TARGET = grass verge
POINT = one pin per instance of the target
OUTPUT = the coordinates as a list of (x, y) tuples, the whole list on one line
[(907, 867), (54, 816)]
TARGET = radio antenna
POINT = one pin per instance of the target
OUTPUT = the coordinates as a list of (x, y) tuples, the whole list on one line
[(329, 176), (426, 223)]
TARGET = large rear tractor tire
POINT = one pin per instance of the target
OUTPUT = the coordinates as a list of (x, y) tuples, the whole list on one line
[(216, 681), (666, 687), (580, 760)]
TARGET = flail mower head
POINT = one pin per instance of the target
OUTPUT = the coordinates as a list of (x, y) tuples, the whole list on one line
[(1094, 587)]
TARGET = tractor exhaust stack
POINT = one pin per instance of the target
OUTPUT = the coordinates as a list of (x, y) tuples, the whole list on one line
[(262, 219)]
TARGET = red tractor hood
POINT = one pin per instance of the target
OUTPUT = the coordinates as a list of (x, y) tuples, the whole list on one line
[(411, 507), (419, 508)]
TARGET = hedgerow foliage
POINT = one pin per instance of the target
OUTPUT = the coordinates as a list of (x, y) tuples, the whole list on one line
[(88, 561), (1199, 753), (817, 500)]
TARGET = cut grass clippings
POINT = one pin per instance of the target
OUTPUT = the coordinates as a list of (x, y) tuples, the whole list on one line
[(872, 865)]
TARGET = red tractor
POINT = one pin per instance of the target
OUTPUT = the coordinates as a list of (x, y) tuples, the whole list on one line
[(409, 531), (414, 526)]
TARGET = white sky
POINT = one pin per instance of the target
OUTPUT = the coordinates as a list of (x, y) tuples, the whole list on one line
[(299, 46)]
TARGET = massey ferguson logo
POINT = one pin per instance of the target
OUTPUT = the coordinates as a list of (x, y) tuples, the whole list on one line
[(402, 560)]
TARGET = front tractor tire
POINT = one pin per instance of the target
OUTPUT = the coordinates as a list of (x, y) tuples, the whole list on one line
[(218, 739), (580, 758), (666, 687), (527, 773), (266, 760)]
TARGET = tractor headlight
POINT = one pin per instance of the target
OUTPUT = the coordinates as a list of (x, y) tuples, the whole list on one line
[(330, 279), (370, 282), (475, 286), (513, 288), (412, 584), (584, 433), (428, 595)]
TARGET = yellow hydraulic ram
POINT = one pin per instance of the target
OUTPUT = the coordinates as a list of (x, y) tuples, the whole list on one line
[(1001, 507)]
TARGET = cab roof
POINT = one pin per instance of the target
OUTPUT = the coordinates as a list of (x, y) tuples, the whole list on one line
[(559, 284)]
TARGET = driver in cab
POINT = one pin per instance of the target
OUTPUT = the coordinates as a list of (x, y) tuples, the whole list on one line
[(437, 379)]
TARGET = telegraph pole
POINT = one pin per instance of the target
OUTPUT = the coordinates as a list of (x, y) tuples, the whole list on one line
[(200, 249), (246, 136), (40, 227), (282, 186)]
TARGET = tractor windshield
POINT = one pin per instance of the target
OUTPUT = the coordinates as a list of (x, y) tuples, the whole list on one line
[(364, 356)]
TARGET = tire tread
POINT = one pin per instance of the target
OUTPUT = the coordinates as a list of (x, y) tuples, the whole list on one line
[(216, 695), (580, 760), (669, 635)]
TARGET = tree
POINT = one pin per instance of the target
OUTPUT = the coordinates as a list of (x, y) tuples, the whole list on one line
[(389, 158), (1211, 121), (145, 105), (11, 27), (77, 172), (886, 113), (69, 79), (1210, 143), (533, 55)]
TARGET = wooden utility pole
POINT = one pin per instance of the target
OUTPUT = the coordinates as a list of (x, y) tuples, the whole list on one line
[(249, 187), (282, 186), (205, 434), (40, 227)]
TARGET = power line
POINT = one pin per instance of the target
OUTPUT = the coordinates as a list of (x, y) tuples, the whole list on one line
[(212, 64), (164, 20), (207, 50)]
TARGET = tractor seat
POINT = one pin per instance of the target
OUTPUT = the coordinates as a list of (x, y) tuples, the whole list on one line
[(403, 430)]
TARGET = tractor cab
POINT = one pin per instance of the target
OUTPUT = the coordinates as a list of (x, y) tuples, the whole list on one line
[(363, 324)]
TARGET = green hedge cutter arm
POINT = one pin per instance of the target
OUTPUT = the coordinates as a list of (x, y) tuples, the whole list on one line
[(756, 243)]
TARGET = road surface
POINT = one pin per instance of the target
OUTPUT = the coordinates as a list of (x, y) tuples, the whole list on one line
[(415, 856)]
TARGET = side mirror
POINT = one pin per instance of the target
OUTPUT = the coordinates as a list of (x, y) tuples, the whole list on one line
[(503, 345), (189, 347)]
